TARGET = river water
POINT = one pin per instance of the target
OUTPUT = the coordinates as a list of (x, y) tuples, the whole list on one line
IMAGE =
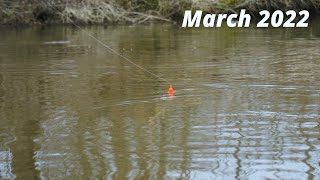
[(246, 103)]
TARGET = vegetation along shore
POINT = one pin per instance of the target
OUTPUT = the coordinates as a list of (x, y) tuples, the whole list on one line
[(28, 12)]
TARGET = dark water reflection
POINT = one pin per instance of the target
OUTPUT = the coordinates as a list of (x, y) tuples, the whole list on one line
[(246, 106)]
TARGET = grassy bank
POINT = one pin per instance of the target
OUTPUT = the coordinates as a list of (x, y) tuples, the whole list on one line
[(25, 12)]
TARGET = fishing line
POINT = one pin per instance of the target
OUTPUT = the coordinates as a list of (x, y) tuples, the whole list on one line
[(106, 46)]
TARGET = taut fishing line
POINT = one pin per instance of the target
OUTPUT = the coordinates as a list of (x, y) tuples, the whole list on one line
[(106, 46)]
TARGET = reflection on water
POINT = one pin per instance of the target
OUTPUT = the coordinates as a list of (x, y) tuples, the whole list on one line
[(246, 105)]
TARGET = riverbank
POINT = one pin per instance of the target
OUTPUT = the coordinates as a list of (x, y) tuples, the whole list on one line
[(30, 12)]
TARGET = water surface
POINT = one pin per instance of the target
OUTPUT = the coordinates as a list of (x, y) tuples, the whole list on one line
[(246, 106)]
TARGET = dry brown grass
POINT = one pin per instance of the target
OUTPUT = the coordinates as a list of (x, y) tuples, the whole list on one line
[(15, 12), (107, 13)]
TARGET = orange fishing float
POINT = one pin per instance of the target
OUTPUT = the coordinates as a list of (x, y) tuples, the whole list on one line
[(171, 91)]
